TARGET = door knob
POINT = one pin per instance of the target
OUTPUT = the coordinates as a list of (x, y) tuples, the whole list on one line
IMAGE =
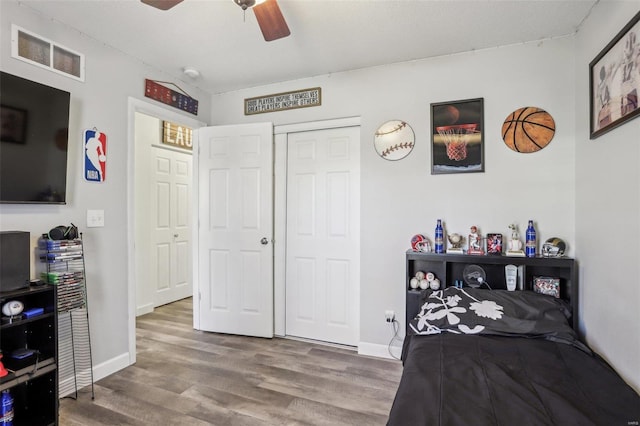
[(175, 235), (264, 241)]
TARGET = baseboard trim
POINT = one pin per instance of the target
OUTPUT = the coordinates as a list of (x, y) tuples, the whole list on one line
[(110, 366), (67, 385), (144, 309), (379, 351)]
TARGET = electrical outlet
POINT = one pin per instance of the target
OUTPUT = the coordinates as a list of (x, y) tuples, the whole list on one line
[(389, 315)]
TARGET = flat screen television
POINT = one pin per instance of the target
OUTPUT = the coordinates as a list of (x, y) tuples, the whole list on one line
[(34, 129)]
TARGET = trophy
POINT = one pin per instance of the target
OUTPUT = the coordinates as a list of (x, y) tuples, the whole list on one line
[(455, 241), (515, 245), (475, 242)]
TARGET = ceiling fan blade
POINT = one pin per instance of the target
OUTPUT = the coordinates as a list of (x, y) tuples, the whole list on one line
[(271, 21), (161, 4)]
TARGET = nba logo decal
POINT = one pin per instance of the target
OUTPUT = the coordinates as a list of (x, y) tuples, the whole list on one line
[(95, 156)]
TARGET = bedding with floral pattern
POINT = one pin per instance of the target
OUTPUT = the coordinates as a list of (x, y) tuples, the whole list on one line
[(495, 312)]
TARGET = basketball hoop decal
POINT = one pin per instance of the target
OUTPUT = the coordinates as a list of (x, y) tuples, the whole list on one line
[(457, 136), (455, 139)]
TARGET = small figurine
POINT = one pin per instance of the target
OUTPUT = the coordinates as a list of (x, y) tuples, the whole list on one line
[(515, 245), (475, 242)]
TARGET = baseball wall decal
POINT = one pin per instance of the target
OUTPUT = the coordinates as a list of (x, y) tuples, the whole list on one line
[(394, 140)]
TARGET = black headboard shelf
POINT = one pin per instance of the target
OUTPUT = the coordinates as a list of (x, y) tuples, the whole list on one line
[(448, 269)]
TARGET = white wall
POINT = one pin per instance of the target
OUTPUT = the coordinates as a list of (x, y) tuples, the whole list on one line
[(101, 102), (402, 198), (608, 209)]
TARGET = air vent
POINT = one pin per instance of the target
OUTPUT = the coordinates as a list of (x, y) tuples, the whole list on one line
[(39, 51)]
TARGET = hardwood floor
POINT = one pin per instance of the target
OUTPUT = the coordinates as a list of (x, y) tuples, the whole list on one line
[(187, 377)]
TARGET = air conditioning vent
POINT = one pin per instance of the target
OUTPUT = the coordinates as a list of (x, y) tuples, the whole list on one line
[(39, 51)]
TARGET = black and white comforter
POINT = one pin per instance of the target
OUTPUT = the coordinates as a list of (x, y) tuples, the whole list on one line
[(479, 357)]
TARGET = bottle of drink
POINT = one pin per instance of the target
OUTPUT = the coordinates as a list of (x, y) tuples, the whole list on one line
[(439, 238), (6, 409), (530, 245)]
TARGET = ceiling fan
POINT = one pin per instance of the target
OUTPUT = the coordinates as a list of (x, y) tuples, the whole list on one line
[(268, 15)]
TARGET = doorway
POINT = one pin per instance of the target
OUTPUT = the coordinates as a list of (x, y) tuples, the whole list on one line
[(163, 180), (140, 299)]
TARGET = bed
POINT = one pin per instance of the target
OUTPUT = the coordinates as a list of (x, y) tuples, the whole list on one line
[(494, 357)]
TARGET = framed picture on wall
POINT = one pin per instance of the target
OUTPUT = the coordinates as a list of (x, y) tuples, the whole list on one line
[(614, 81), (457, 136)]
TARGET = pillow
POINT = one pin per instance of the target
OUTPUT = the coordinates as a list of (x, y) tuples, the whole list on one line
[(495, 312)]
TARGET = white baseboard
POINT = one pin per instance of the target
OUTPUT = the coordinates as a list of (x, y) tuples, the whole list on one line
[(378, 350), (144, 309), (67, 386), (109, 367)]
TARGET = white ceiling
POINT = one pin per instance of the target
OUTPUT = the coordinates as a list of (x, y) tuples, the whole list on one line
[(327, 36)]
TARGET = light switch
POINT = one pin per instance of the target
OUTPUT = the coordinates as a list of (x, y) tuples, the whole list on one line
[(95, 218)]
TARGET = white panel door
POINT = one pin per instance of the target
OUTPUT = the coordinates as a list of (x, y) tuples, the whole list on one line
[(171, 226), (235, 208), (323, 235)]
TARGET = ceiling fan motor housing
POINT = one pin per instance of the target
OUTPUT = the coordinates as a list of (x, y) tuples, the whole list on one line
[(245, 4)]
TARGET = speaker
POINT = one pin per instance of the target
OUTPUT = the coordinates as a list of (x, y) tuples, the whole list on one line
[(15, 260)]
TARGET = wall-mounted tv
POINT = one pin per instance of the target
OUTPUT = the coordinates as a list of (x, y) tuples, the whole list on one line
[(34, 129)]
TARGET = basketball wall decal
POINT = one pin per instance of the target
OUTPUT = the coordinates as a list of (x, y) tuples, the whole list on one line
[(528, 129)]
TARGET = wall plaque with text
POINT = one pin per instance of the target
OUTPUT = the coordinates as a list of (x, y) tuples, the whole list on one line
[(283, 101), (177, 135)]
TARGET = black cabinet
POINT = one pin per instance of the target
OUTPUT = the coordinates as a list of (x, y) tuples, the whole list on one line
[(448, 268), (28, 346)]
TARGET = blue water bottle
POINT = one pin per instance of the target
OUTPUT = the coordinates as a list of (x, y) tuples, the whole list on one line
[(6, 409), (439, 238), (530, 245)]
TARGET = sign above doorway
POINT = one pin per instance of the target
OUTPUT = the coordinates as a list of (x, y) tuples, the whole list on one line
[(181, 100)]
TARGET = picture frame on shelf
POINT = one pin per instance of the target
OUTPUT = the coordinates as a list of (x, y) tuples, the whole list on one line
[(494, 244), (549, 286), (614, 81), (457, 136)]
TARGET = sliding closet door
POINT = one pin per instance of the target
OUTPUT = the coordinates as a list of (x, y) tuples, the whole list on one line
[(323, 235)]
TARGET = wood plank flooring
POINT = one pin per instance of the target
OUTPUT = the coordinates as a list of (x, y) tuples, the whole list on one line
[(187, 377)]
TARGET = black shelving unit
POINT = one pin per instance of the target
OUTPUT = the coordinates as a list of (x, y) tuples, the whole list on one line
[(449, 267), (32, 381)]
